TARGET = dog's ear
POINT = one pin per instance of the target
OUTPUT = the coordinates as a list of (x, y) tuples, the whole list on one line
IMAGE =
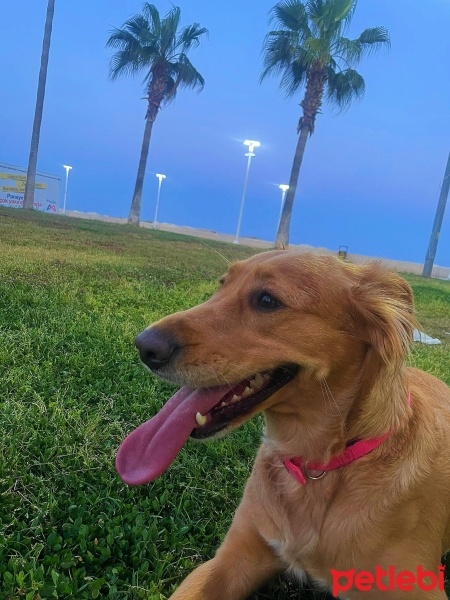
[(382, 306)]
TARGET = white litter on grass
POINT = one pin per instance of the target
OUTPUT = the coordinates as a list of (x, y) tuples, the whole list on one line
[(420, 336)]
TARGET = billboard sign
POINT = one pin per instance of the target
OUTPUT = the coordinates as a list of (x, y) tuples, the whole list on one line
[(12, 189)]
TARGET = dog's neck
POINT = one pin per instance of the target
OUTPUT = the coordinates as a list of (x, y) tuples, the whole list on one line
[(319, 417)]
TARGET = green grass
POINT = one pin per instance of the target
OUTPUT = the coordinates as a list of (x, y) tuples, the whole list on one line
[(73, 295)]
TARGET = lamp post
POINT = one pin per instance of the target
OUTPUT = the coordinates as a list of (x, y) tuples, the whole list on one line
[(437, 224), (284, 188), (67, 168), (160, 177), (252, 144)]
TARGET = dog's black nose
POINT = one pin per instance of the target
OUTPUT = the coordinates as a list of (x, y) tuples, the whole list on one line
[(156, 347)]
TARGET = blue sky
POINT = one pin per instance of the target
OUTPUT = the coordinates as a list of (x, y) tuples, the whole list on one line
[(370, 179)]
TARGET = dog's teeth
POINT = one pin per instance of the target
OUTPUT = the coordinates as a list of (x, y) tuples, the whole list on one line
[(223, 404), (235, 398), (247, 392), (265, 377), (201, 419), (259, 380)]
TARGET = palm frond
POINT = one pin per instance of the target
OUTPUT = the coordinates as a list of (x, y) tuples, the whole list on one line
[(135, 52), (348, 51), (125, 62), (186, 74), (374, 38), (120, 38), (343, 88), (341, 10), (291, 14), (146, 43), (150, 55), (319, 49), (315, 9), (138, 26), (293, 78), (190, 37), (330, 17), (332, 64), (169, 27), (293, 55), (151, 14), (182, 73), (279, 49), (171, 90)]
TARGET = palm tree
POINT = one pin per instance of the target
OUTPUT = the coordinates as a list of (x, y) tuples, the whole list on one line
[(146, 43), (309, 50), (28, 198)]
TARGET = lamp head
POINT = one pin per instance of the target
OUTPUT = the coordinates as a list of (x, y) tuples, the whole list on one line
[(252, 144)]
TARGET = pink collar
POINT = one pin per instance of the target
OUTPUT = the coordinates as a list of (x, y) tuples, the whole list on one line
[(313, 470)]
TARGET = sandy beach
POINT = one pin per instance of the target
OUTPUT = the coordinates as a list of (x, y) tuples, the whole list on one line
[(397, 265)]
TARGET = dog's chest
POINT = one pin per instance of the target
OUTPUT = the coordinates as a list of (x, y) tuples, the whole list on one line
[(305, 525), (309, 550), (295, 529)]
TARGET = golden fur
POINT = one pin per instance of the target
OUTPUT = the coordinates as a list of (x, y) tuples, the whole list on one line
[(349, 328)]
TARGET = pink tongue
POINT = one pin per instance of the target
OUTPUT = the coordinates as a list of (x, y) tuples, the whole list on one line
[(148, 450)]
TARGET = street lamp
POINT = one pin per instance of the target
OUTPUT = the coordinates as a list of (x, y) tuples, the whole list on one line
[(252, 144), (67, 168), (284, 188), (437, 224), (160, 177)]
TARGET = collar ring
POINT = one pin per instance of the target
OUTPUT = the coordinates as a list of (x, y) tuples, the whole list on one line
[(313, 477)]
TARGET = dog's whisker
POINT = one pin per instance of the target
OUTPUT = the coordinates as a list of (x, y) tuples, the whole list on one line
[(219, 377), (224, 258), (328, 393), (327, 399), (332, 398)]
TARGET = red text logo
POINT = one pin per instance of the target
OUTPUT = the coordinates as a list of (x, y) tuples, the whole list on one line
[(386, 580)]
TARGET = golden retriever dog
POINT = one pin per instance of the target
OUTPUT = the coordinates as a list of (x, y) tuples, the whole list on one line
[(351, 484)]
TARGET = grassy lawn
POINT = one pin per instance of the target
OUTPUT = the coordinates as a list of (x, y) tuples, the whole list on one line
[(73, 295)]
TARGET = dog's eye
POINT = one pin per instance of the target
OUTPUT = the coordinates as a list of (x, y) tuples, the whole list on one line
[(266, 301)]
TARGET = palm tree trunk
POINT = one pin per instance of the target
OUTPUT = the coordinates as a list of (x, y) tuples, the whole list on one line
[(134, 216), (310, 104), (282, 240), (156, 93), (28, 199)]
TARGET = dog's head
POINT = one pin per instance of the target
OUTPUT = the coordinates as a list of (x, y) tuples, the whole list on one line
[(278, 321)]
